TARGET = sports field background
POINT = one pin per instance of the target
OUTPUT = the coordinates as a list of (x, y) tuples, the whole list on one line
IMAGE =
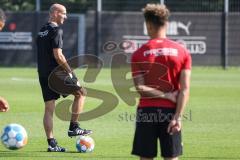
[(211, 129)]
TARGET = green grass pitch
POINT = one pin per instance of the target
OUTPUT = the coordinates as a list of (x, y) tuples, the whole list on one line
[(211, 129)]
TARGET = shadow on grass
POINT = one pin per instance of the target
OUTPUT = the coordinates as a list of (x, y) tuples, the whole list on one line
[(66, 155), (74, 154), (220, 158)]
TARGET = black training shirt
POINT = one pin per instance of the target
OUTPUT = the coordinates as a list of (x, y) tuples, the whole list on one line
[(49, 37)]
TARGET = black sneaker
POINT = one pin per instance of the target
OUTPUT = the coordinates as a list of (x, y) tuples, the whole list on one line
[(79, 132), (56, 149), (53, 147)]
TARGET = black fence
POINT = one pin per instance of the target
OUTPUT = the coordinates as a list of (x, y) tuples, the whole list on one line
[(201, 33), (82, 6), (17, 40)]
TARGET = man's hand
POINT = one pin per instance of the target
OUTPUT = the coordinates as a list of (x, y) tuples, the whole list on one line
[(82, 90), (175, 125), (172, 96), (4, 106), (74, 79)]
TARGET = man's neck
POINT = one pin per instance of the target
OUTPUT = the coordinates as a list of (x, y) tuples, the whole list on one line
[(52, 21), (160, 34)]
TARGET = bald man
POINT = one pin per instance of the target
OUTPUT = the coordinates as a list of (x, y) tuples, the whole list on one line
[(50, 55), (2, 19)]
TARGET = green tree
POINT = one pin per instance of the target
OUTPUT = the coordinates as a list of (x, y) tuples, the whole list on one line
[(17, 5)]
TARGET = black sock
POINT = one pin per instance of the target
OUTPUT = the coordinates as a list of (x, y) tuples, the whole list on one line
[(73, 125), (52, 142)]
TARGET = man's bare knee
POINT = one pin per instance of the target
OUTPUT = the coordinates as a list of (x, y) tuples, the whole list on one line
[(50, 106), (79, 97)]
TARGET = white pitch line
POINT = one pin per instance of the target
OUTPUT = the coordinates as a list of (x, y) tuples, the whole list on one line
[(24, 79), (34, 80), (101, 82)]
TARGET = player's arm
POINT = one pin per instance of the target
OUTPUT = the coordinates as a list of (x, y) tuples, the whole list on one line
[(183, 95), (175, 125), (4, 106), (149, 92), (61, 60), (57, 44)]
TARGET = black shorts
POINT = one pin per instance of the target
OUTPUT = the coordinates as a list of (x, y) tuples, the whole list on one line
[(151, 126), (57, 84), (47, 93)]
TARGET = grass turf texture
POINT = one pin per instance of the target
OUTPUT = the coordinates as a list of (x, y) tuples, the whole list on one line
[(211, 126)]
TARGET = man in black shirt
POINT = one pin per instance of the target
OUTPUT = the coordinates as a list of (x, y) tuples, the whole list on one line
[(49, 48)]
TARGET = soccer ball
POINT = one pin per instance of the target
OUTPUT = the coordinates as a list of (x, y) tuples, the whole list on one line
[(14, 136), (85, 144)]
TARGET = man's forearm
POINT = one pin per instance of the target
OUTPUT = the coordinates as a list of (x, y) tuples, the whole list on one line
[(149, 92), (184, 92), (61, 60), (182, 100)]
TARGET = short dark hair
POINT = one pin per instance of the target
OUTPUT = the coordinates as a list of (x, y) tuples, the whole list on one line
[(2, 16), (156, 14)]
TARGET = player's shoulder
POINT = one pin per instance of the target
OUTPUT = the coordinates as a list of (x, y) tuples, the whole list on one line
[(54, 28), (143, 48), (174, 44), (138, 53), (49, 30)]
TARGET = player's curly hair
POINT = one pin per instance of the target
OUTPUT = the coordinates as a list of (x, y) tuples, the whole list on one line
[(156, 14)]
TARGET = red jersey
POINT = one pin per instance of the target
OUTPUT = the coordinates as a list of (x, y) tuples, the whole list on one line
[(160, 61)]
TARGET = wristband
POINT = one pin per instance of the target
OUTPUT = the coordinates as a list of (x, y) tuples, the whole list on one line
[(71, 75)]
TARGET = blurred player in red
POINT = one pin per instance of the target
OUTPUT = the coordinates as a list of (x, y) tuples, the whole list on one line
[(2, 19), (4, 106), (161, 70)]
